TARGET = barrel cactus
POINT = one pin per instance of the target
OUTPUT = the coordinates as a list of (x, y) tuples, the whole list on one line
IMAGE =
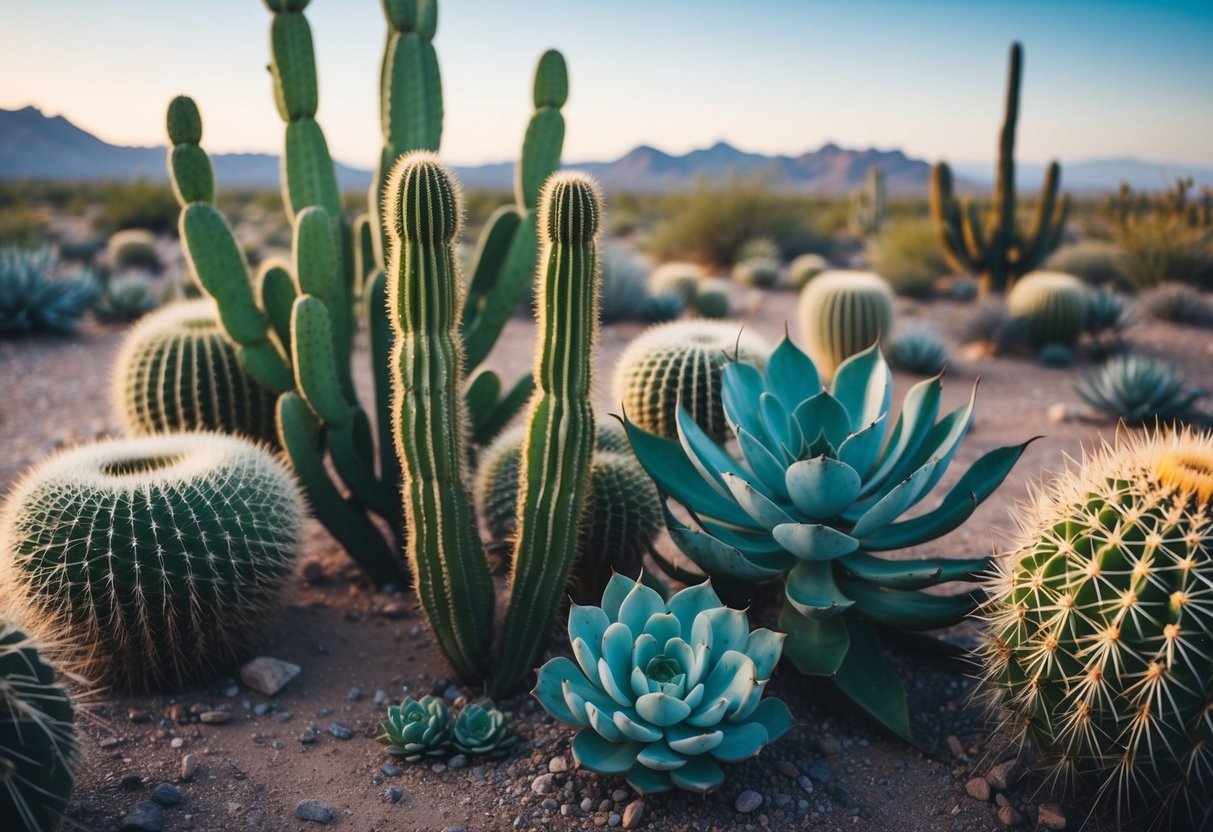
[(155, 559), (762, 272), (417, 729), (712, 298), (1054, 306), (664, 691), (1099, 645), (482, 729), (676, 278), (1138, 390), (664, 307), (819, 489), (177, 372), (133, 248), (842, 313), (920, 351), (804, 268), (37, 735), (682, 361)]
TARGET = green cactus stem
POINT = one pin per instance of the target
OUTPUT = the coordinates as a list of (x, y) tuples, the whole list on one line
[(842, 313)]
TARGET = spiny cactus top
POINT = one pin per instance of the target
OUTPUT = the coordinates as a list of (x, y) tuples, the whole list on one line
[(664, 692), (157, 558), (821, 485), (1099, 647)]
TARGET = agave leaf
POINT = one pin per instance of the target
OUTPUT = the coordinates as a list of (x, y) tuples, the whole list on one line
[(662, 627), (660, 757), (814, 542), (777, 423), (617, 589), (729, 629), (810, 587), (755, 504), (553, 678), (742, 740), (587, 625), (709, 459), (614, 667), (863, 385), (596, 754), (631, 726), (860, 449), (731, 680), (876, 516), (740, 387), (774, 716), (764, 648), (918, 410), (601, 722), (638, 607), (699, 775), (716, 558), (753, 543), (823, 413), (644, 651), (913, 574), (816, 647), (868, 680), (769, 469), (944, 440), (676, 572), (686, 740), (661, 709), (822, 487), (688, 603), (908, 610), (791, 375)]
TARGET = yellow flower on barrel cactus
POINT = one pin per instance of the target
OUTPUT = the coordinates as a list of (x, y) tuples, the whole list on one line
[(664, 691)]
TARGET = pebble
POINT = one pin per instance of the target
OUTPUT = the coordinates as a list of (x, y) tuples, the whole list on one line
[(819, 773), (1059, 413), (390, 770), (805, 784), (633, 814), (620, 795), (263, 709), (787, 769), (586, 804), (1010, 816), (166, 794), (1004, 775), (458, 761), (232, 691), (452, 693), (747, 801), (614, 819), (954, 746), (829, 745), (380, 696), (144, 816), (177, 742), (268, 676), (978, 789), (1051, 816), (545, 783), (189, 764), (130, 782), (355, 694), (215, 717), (138, 715), (551, 804), (393, 794), (558, 765), (314, 811), (341, 731), (309, 737)]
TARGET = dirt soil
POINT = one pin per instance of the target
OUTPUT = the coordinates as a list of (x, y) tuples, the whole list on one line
[(358, 648)]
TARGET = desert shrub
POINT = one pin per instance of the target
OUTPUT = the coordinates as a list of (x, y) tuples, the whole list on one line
[(907, 255), (34, 298), (1096, 262), (624, 293), (126, 299), (1176, 303), (137, 205)]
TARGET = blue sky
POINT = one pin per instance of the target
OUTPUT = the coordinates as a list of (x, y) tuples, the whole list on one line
[(1102, 79)]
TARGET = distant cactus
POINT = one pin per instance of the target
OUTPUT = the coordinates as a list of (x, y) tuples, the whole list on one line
[(806, 267), (155, 559), (33, 299), (664, 307), (996, 248), (712, 298), (176, 372), (1056, 355), (38, 747), (1098, 645), (682, 361), (133, 249), (676, 278), (625, 292), (126, 299), (1053, 305), (758, 248), (843, 313), (868, 204), (920, 351), (762, 272), (1108, 315), (1140, 390)]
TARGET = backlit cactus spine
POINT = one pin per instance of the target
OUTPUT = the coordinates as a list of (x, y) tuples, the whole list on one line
[(1099, 649), (555, 478), (843, 313), (423, 215), (996, 248), (1053, 307)]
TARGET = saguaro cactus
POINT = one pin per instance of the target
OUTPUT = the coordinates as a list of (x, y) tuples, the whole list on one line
[(868, 204), (556, 454), (997, 249)]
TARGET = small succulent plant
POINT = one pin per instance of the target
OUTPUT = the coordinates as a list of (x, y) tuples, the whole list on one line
[(126, 299), (712, 299), (919, 351), (762, 272), (1056, 355), (482, 729), (821, 487), (676, 278), (33, 299), (1138, 389), (664, 692), (1108, 316), (758, 248), (664, 306), (1052, 305), (416, 729)]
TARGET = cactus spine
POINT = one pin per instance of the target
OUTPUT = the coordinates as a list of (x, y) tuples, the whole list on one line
[(556, 454), (1052, 305), (843, 313), (868, 204), (422, 215), (997, 249)]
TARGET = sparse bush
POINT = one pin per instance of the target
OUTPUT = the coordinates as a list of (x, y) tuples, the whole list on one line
[(126, 299), (907, 255), (1176, 303), (1095, 262), (33, 298), (1158, 250), (147, 205)]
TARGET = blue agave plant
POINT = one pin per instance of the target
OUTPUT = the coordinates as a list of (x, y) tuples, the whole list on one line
[(664, 692), (819, 487)]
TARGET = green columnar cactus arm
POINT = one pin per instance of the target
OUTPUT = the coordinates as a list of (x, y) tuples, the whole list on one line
[(276, 295), (556, 455), (539, 160), (422, 217), (868, 204), (380, 333)]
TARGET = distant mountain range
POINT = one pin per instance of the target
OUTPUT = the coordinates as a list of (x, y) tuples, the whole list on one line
[(36, 146)]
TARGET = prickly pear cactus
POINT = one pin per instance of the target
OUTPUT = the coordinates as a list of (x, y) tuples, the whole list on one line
[(176, 372), (1099, 649), (682, 361), (37, 736), (156, 559), (843, 313), (1052, 305)]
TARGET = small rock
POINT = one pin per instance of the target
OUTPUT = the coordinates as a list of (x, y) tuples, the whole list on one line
[(819, 773), (393, 794), (1059, 413), (544, 784), (177, 742), (1001, 800), (1004, 775), (1051, 816), (189, 764), (1010, 816), (787, 769), (829, 745), (263, 709), (978, 789), (633, 814), (130, 782), (341, 731), (380, 696), (390, 770), (354, 694), (138, 715), (313, 810), (452, 693), (558, 765), (550, 804), (586, 804), (620, 795), (954, 746), (144, 816), (166, 794), (805, 783), (614, 819), (782, 799), (215, 717), (458, 761), (313, 572), (747, 801), (309, 737), (268, 676), (232, 691)]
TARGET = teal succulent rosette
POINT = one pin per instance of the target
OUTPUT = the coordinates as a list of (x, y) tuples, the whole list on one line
[(821, 485), (664, 692), (416, 729), (482, 729)]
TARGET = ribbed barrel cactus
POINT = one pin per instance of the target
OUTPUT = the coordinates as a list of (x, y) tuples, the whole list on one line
[(820, 487), (712, 298), (1053, 307), (155, 559), (682, 362), (482, 729), (762, 272), (664, 692), (806, 267), (1099, 644), (416, 729), (842, 313), (676, 278), (38, 750), (177, 372)]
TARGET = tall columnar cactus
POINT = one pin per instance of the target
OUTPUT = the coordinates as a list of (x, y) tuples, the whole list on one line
[(423, 214), (843, 313), (996, 248), (868, 204), (176, 372), (155, 560), (1099, 649), (682, 362), (555, 478), (1052, 307), (38, 750)]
